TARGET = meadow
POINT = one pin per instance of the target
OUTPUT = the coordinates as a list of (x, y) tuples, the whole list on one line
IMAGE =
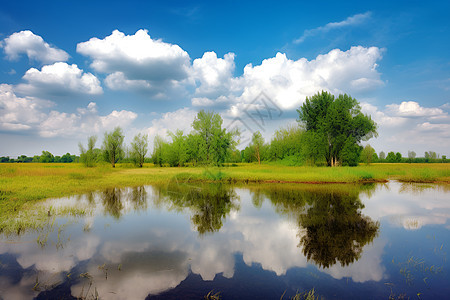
[(21, 185)]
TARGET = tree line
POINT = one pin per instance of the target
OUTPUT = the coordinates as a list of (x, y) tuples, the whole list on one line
[(45, 157), (329, 132)]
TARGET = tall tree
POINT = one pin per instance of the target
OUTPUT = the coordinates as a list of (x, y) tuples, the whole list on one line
[(214, 141), (139, 148), (178, 150), (158, 147), (382, 156), (257, 145), (87, 156), (338, 125), (113, 146)]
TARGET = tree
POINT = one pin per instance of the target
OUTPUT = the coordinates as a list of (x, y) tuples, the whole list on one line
[(87, 156), (398, 157), (157, 156), (411, 156), (113, 146), (139, 148), (391, 158), (367, 154), (427, 157), (66, 158), (382, 156), (214, 141), (46, 157), (287, 141), (257, 144), (177, 154), (338, 125)]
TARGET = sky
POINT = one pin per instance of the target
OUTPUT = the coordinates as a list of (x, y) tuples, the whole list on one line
[(73, 69)]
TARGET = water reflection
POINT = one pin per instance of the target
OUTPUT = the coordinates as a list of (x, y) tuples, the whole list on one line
[(145, 241), (331, 226), (209, 204)]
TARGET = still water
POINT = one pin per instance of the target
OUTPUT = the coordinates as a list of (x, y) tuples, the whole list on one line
[(183, 241)]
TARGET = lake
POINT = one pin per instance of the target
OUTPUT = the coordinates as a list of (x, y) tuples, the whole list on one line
[(188, 241)]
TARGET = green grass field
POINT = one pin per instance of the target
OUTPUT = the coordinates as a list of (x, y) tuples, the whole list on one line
[(23, 184)]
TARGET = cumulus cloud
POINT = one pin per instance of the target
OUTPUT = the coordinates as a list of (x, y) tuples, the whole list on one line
[(413, 109), (31, 114), (59, 79), (34, 46), (288, 82), (19, 114), (84, 122), (214, 75), (136, 60), (350, 21)]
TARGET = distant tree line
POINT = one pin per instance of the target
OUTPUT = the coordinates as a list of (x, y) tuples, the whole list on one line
[(45, 157)]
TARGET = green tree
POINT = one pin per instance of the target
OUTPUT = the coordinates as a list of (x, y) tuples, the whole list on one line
[(214, 141), (391, 158), (382, 156), (338, 125), (411, 156), (139, 148), (46, 157), (398, 157), (287, 141), (66, 158), (177, 154), (87, 156), (257, 144), (367, 154), (113, 146), (157, 155)]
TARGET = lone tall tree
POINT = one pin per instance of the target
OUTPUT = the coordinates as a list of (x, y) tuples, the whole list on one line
[(257, 145), (336, 127), (139, 148), (113, 146), (214, 141)]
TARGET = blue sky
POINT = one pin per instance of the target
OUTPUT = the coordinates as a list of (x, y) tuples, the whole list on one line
[(74, 69)]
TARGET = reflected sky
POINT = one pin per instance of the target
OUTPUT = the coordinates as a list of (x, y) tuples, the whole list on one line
[(185, 240)]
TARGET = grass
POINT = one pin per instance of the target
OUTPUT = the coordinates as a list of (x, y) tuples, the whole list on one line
[(23, 184)]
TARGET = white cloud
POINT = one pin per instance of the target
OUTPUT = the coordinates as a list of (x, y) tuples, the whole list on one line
[(19, 114), (26, 42), (214, 75), (59, 79), (84, 122), (288, 82), (137, 58), (413, 109), (31, 114), (350, 21)]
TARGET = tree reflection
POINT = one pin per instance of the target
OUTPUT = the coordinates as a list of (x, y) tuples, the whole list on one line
[(209, 203), (138, 197), (112, 202), (331, 226)]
